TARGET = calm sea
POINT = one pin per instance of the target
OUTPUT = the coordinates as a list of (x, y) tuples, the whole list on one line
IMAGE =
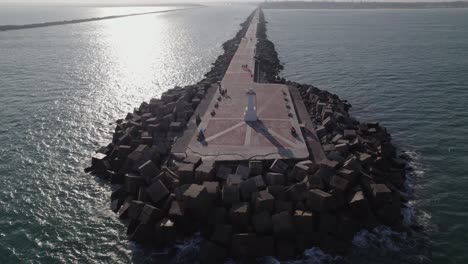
[(61, 87), (407, 69)]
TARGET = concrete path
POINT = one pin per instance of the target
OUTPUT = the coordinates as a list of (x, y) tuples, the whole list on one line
[(228, 136)]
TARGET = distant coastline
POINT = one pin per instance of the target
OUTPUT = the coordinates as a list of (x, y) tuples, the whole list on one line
[(362, 5)]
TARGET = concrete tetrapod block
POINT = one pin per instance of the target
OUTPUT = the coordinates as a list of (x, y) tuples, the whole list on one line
[(274, 178), (148, 170), (247, 187), (298, 172), (223, 172), (259, 182), (157, 191), (133, 183), (211, 253), (265, 246), (283, 224), (243, 171), (320, 201), (165, 232), (243, 246), (262, 223), (217, 215), (234, 179), (278, 191), (230, 195), (285, 249), (222, 234), (297, 192), (205, 172), (186, 173), (212, 187), (340, 183), (279, 166), (150, 215), (239, 214), (263, 201), (197, 200), (304, 221), (256, 167), (380, 193), (359, 204)]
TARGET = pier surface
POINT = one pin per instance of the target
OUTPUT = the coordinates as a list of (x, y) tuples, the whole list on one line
[(228, 136)]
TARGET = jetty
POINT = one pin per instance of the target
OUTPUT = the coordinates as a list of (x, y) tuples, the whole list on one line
[(257, 168)]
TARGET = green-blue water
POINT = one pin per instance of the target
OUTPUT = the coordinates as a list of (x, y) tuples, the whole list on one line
[(60, 87)]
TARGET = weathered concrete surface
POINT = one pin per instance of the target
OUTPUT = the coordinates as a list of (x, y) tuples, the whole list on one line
[(228, 136)]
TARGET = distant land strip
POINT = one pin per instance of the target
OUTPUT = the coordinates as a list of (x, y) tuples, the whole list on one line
[(76, 21), (362, 5)]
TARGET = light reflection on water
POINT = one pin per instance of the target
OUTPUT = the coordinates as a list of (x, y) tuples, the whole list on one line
[(60, 88)]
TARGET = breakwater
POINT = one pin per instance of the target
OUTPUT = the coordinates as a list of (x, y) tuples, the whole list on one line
[(251, 208), (77, 21)]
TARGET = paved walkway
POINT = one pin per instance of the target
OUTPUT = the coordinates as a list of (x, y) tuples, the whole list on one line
[(228, 136)]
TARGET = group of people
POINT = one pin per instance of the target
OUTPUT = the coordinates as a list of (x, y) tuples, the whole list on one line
[(245, 66)]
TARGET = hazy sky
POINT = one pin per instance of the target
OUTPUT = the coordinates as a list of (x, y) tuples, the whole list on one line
[(173, 1)]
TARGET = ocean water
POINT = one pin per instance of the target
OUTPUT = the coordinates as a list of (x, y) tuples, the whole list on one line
[(21, 15), (407, 69), (60, 87)]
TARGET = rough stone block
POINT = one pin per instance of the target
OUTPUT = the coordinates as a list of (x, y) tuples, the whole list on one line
[(247, 187), (239, 214), (283, 206), (342, 149), (285, 250), (262, 223), (243, 171), (133, 183), (259, 182), (205, 172), (148, 170), (349, 133), (359, 204), (165, 232), (243, 246), (157, 191), (263, 201), (304, 221), (230, 195), (150, 215), (312, 166), (273, 178), (265, 246), (279, 166), (381, 194), (340, 183), (256, 167), (197, 200), (298, 172), (315, 182), (282, 224), (297, 192), (223, 172), (328, 223), (211, 253), (186, 173), (320, 201), (222, 234), (234, 179), (212, 187), (278, 191)]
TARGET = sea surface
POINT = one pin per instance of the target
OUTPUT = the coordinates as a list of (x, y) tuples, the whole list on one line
[(62, 86), (407, 69)]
